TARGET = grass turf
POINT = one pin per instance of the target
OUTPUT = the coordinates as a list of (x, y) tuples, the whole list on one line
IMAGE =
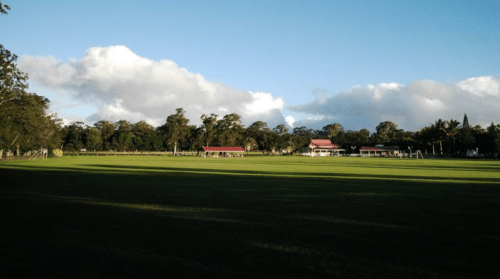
[(254, 217)]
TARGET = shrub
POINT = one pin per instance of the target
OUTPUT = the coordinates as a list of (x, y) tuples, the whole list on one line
[(57, 152)]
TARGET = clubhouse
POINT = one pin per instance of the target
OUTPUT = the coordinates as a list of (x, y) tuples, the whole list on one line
[(322, 147), (379, 150)]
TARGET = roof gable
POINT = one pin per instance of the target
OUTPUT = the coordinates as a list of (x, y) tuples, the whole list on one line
[(322, 143)]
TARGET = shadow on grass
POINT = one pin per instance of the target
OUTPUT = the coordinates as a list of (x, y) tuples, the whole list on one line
[(298, 174), (167, 222), (119, 169), (394, 165)]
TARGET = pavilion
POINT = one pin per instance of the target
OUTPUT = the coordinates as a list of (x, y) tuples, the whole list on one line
[(323, 147), (223, 149), (369, 151)]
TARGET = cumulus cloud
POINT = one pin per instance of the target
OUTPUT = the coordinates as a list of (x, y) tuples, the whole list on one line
[(126, 86), (290, 120), (410, 106)]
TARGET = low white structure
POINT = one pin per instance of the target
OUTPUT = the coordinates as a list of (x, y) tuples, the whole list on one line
[(378, 151)]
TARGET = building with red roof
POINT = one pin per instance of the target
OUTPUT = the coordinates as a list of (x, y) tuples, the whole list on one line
[(323, 146)]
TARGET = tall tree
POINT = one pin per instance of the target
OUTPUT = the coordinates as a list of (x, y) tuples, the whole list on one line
[(176, 128), (452, 130), (281, 129), (386, 131), (92, 138), (439, 130), (493, 140), (75, 136), (256, 131), (465, 123), (209, 125), (107, 130), (332, 130), (425, 137), (466, 134), (229, 129), (123, 136), (13, 82), (141, 131)]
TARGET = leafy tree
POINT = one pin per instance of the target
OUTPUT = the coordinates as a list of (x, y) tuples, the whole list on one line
[(493, 140), (269, 141), (175, 128), (122, 136), (281, 134), (196, 138), (229, 129), (281, 130), (332, 130), (452, 130), (386, 131), (154, 141), (250, 144), (140, 132), (303, 136), (13, 82), (289, 145), (24, 123), (92, 138), (107, 129), (75, 135), (208, 128), (425, 137), (439, 131)]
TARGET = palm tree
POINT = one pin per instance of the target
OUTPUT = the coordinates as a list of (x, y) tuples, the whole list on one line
[(439, 131), (289, 146), (425, 137), (452, 130), (250, 143)]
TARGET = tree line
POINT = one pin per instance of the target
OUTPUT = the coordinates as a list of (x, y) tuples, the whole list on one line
[(442, 137)]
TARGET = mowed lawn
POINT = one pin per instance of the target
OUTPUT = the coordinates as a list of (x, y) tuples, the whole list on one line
[(252, 217)]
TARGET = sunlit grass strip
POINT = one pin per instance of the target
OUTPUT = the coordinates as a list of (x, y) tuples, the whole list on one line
[(124, 170)]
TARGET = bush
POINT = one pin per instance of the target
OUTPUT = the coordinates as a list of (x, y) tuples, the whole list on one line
[(57, 152)]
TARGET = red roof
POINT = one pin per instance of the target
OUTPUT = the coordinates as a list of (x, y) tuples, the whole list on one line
[(322, 143), (223, 149)]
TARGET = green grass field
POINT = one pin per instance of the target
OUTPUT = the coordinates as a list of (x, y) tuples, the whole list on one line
[(253, 217)]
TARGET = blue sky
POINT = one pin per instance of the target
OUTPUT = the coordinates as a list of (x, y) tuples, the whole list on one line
[(299, 51)]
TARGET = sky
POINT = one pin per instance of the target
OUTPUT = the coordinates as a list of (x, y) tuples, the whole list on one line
[(312, 63)]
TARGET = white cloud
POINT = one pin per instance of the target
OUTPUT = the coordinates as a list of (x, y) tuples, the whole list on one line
[(410, 106), (290, 120), (263, 102), (126, 86), (485, 85)]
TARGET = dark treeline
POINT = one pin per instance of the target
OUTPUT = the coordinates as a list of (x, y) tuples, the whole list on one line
[(442, 137), (26, 125)]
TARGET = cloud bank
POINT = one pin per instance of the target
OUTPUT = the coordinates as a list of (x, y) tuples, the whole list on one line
[(410, 106), (126, 86)]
